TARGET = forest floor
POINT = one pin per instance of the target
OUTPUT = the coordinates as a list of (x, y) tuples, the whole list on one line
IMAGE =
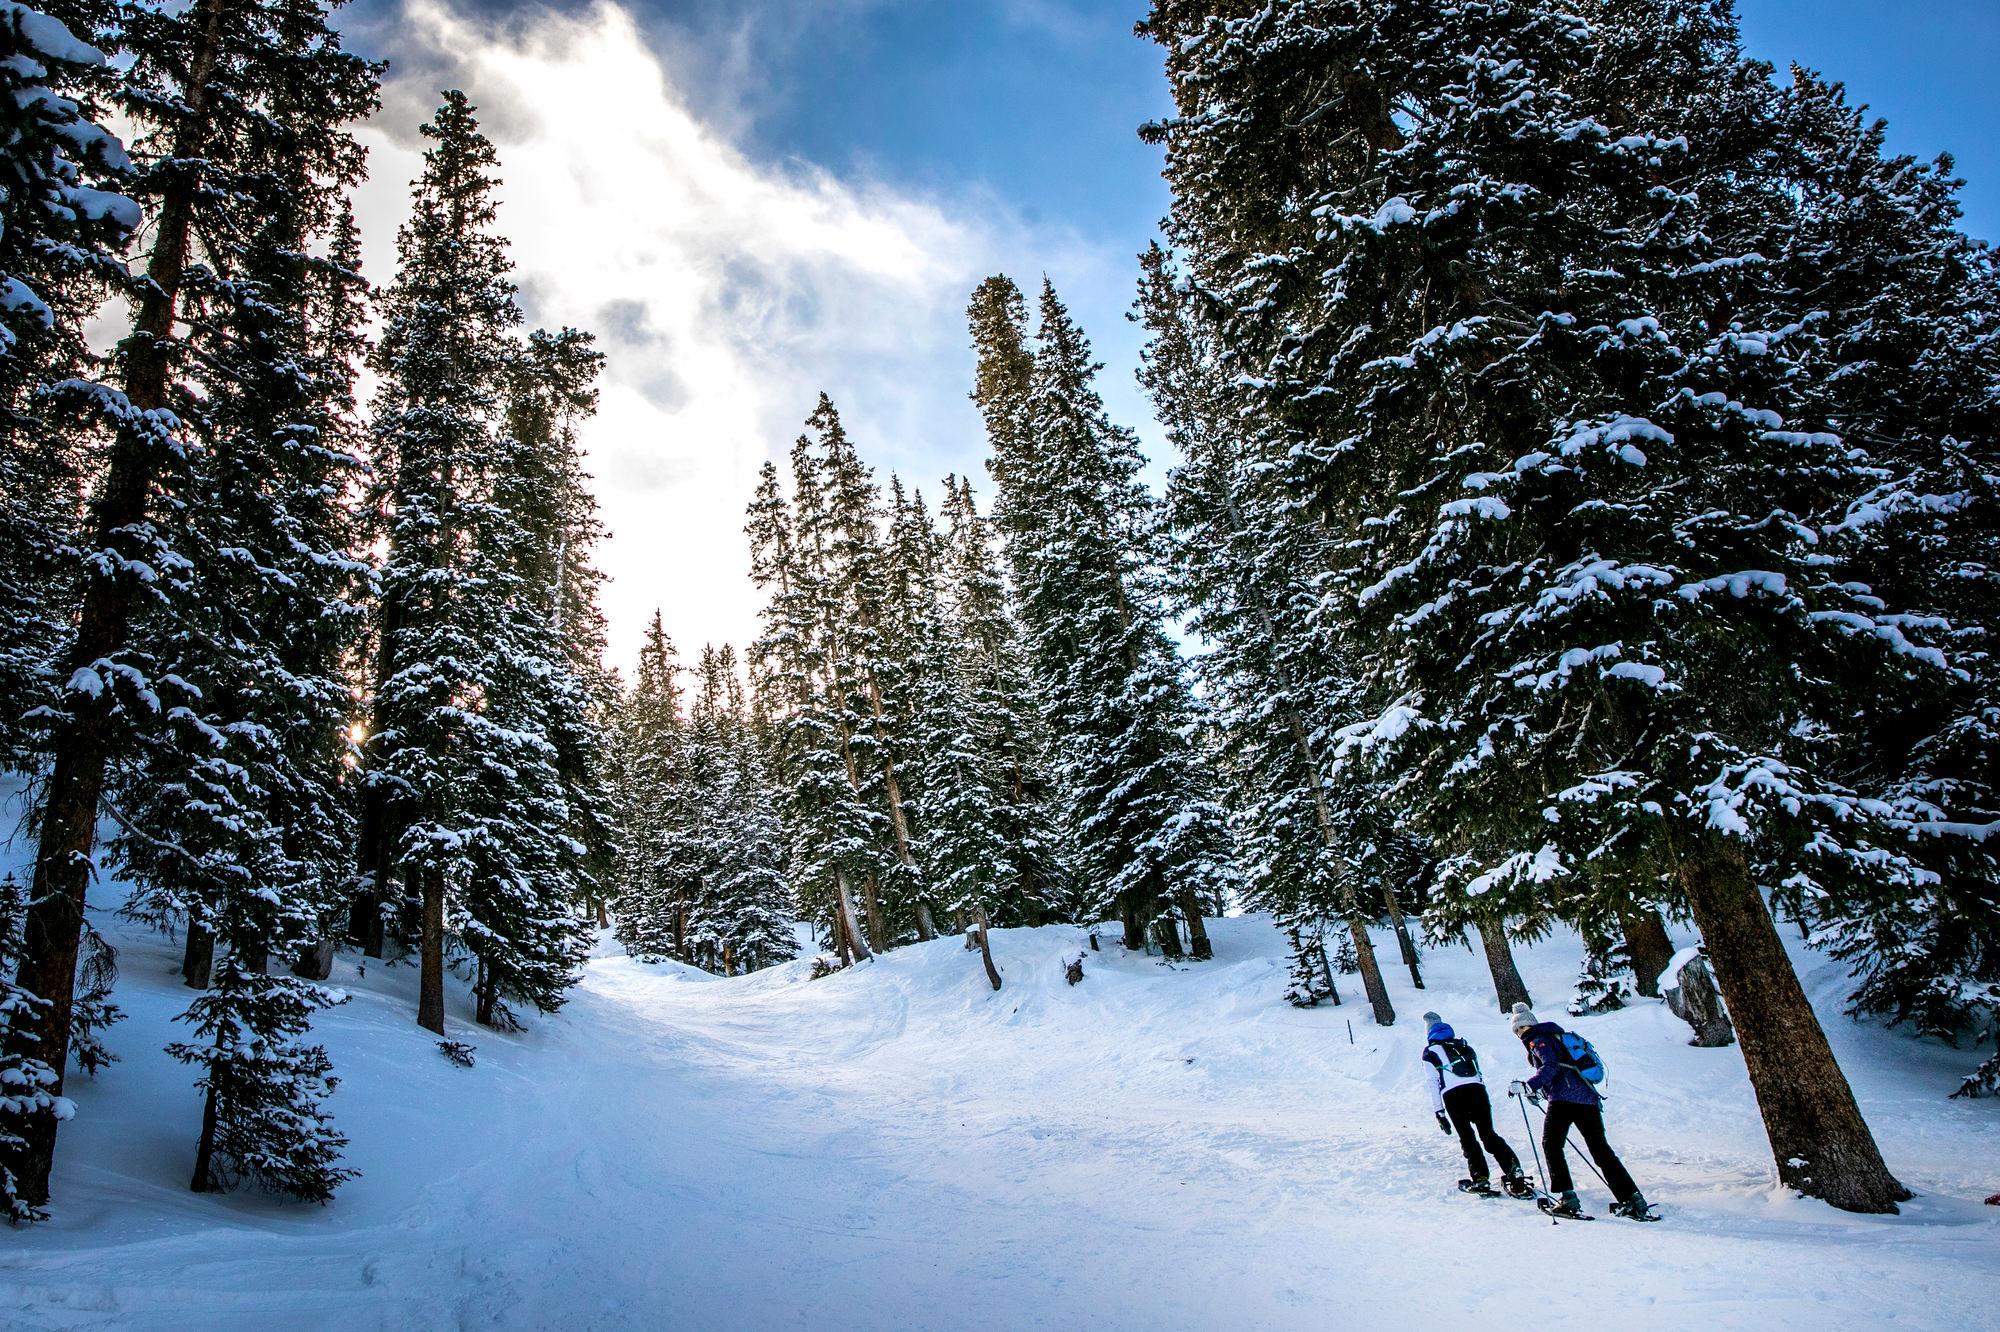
[(898, 1146)]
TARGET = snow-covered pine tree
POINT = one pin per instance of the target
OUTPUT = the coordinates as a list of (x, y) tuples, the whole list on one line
[(543, 818), (236, 816), (554, 391), (1908, 368), (1074, 521), (741, 917), (648, 907), (1247, 575), (472, 816), (998, 691), (955, 807), (833, 836), (1551, 244), (63, 231), (856, 579), (217, 90)]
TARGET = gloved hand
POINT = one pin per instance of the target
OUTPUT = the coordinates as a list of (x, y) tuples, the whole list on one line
[(1444, 1125)]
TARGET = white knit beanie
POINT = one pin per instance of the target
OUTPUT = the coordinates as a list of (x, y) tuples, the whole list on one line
[(1523, 1019)]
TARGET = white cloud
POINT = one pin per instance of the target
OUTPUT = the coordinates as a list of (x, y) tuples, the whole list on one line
[(725, 292)]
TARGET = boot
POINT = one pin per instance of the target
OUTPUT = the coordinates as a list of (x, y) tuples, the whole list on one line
[(1634, 1207), (1517, 1185), (1567, 1205)]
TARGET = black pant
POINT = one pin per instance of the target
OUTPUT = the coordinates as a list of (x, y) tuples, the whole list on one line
[(1472, 1115), (1589, 1120)]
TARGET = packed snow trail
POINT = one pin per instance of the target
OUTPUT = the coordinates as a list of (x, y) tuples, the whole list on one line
[(898, 1146)]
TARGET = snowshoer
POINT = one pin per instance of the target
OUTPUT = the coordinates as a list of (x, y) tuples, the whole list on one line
[(1458, 1099), (1571, 1101)]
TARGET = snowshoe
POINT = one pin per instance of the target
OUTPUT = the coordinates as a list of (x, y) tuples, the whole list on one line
[(1565, 1208), (1517, 1186), (1483, 1188), (1635, 1208)]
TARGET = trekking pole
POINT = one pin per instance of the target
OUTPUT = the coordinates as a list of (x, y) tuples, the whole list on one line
[(1514, 1090)]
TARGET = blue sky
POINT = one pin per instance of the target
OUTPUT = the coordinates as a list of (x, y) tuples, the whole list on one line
[(752, 200)]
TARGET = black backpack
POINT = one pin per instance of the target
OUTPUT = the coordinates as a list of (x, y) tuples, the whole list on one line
[(1458, 1058)]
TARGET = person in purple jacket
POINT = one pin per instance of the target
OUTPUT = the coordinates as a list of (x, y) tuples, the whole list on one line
[(1571, 1101)]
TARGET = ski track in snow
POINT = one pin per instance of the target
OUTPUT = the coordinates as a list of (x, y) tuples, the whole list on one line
[(897, 1146)]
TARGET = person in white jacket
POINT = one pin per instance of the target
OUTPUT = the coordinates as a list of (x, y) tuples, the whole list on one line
[(1458, 1099)]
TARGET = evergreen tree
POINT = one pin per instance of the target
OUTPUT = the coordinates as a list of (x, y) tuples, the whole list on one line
[(218, 90), (833, 835), (1908, 366), (1075, 523), (650, 907), (957, 809), (62, 233), (1554, 245), (1249, 579), (469, 806), (998, 699)]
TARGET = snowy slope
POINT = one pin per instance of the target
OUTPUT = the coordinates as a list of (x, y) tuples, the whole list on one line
[(897, 1146)]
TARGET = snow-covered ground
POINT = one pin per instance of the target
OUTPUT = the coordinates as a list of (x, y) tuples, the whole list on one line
[(898, 1146)]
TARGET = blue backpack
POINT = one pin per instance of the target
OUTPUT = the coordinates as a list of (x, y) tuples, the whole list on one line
[(1583, 1058)]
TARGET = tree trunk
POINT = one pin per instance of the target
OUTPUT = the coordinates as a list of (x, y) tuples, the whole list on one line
[(1326, 970), (483, 990), (878, 921), (847, 920), (1508, 987), (1404, 942), (197, 957), (316, 962), (986, 947), (52, 928), (1371, 973), (1168, 935), (1819, 1140), (1135, 929), (926, 927), (430, 980), (204, 1150), (603, 916), (1647, 944), (1199, 947)]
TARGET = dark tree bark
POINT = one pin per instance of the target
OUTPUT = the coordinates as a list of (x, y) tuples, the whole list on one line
[(1647, 944), (316, 962), (871, 902), (1168, 936), (485, 995), (1135, 929), (1326, 970), (986, 949), (1508, 987), (430, 950), (1371, 973), (197, 957), (848, 924), (204, 1151), (52, 928), (1199, 947), (1404, 942), (1819, 1140)]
